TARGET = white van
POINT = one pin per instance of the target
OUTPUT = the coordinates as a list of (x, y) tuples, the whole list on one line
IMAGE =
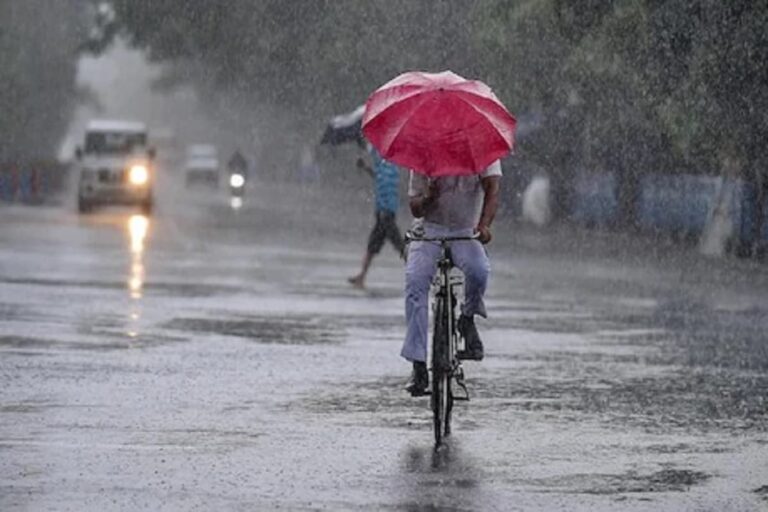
[(115, 166)]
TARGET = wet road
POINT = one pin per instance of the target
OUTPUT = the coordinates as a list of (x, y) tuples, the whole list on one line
[(215, 359)]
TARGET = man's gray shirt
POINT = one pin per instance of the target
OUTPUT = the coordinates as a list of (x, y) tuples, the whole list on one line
[(460, 198)]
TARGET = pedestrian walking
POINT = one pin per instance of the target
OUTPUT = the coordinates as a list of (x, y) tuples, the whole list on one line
[(386, 184)]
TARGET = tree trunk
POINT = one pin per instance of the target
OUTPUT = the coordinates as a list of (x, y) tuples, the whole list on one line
[(561, 186), (627, 191), (758, 249)]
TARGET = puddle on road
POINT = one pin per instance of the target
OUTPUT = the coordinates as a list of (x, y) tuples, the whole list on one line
[(200, 438), (666, 480), (34, 406), (554, 322), (9, 312), (696, 334), (108, 340), (436, 480), (380, 403), (26, 342), (23, 408), (701, 447), (168, 288), (325, 289), (64, 283), (374, 397), (575, 390), (682, 399), (293, 330), (193, 289), (374, 324), (680, 366)]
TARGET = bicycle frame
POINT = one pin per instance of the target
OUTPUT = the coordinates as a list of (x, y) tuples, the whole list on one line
[(443, 354)]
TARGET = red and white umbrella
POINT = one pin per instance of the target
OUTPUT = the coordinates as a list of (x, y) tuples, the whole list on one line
[(438, 124)]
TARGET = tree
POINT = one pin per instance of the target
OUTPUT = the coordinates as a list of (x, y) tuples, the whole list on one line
[(635, 87), (316, 57), (38, 57)]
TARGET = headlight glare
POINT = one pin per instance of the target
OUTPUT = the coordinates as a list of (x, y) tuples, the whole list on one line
[(138, 174)]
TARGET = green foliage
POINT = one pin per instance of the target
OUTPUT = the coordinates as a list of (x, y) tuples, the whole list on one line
[(627, 85), (38, 61), (652, 84), (316, 57)]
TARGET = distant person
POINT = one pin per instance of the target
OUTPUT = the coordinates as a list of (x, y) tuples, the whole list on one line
[(386, 184), (450, 206), (237, 164), (309, 170)]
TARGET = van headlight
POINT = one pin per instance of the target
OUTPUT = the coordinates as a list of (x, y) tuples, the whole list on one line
[(138, 175)]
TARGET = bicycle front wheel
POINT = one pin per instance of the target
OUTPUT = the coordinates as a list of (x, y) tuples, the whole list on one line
[(440, 407), (441, 374)]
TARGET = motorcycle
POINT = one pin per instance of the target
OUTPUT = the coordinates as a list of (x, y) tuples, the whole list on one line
[(236, 189), (238, 172)]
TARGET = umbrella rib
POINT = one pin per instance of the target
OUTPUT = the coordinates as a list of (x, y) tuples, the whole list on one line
[(486, 115), (491, 116), (404, 119), (409, 93)]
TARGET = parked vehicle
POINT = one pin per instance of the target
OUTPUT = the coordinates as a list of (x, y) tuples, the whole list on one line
[(202, 166), (115, 166)]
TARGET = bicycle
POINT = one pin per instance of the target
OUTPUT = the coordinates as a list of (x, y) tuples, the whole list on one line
[(446, 340)]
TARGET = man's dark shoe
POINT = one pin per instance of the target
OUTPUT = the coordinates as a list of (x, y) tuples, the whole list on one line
[(419, 381), (473, 347)]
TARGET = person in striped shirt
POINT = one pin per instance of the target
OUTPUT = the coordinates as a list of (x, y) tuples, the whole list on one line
[(386, 187)]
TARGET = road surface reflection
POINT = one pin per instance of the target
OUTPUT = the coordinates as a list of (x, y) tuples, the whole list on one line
[(138, 227)]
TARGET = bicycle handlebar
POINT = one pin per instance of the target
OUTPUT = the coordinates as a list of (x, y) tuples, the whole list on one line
[(410, 236)]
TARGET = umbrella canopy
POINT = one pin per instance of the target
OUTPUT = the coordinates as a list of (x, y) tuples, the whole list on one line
[(438, 124), (344, 128)]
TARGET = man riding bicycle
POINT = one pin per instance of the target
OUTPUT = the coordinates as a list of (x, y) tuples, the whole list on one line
[(451, 206)]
